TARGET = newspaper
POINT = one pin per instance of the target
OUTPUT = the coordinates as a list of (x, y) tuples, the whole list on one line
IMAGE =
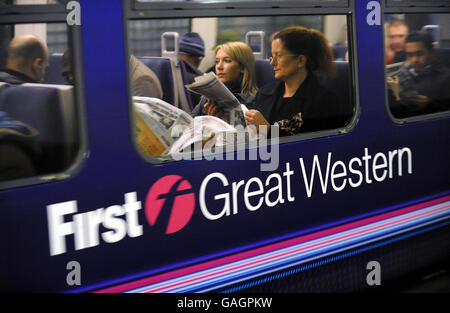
[(394, 69), (211, 87), (163, 130)]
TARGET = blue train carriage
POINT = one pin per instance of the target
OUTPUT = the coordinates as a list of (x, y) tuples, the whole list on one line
[(357, 207)]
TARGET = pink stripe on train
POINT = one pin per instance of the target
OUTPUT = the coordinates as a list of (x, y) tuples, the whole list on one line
[(269, 248)]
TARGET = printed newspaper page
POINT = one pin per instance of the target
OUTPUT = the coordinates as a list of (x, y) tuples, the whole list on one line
[(212, 88), (201, 128), (158, 124)]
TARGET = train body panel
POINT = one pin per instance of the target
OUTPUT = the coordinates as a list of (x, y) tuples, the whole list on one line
[(105, 216)]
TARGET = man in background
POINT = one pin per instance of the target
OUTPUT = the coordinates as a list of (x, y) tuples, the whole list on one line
[(423, 83), (191, 52), (144, 82), (397, 32), (27, 61)]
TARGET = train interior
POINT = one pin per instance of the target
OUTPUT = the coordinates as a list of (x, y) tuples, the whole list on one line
[(55, 110)]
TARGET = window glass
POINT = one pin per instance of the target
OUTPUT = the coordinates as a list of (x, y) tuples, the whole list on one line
[(166, 55), (417, 49), (231, 1), (39, 131), (417, 3), (145, 35), (28, 2)]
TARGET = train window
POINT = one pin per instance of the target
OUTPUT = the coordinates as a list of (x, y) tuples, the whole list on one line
[(31, 2), (40, 136), (417, 51), (180, 109), (417, 3), (209, 2)]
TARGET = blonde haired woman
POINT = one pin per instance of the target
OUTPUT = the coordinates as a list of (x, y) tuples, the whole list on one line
[(235, 67)]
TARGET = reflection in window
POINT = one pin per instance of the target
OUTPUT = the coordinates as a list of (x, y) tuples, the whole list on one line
[(38, 113), (418, 58)]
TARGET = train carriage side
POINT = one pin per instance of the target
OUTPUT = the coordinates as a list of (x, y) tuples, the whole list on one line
[(375, 189)]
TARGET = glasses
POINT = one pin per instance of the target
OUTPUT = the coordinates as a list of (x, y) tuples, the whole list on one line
[(278, 57)]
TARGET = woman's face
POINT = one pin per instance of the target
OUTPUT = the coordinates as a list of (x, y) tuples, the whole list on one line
[(227, 69), (285, 64)]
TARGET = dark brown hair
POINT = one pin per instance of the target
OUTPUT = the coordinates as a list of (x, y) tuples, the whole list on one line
[(312, 44)]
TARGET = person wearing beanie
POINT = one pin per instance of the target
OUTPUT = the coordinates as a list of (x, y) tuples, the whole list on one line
[(191, 52), (192, 48)]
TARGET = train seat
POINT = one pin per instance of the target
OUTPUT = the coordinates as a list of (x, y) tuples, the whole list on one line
[(50, 110), (443, 55), (3, 85), (53, 75), (163, 69), (339, 52), (340, 85), (264, 73), (184, 81)]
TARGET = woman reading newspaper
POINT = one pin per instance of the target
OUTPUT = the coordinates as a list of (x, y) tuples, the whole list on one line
[(235, 67), (218, 112), (297, 102)]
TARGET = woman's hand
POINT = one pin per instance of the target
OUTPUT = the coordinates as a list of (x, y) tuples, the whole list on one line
[(213, 109), (254, 117)]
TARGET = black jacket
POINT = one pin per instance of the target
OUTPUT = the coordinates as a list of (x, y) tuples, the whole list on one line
[(318, 105), (191, 73), (433, 82), (14, 77)]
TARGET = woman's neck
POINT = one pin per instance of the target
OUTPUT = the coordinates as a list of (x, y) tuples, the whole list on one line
[(234, 86), (292, 84)]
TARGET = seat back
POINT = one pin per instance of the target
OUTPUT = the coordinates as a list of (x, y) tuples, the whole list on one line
[(264, 73), (53, 75), (339, 52), (443, 55), (340, 85), (50, 110)]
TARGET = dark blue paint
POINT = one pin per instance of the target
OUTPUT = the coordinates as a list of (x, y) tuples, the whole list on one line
[(113, 169)]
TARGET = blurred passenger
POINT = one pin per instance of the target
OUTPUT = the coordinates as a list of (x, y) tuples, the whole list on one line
[(397, 31), (224, 36), (297, 102), (227, 35), (144, 82), (27, 61), (235, 67), (191, 52), (18, 149), (423, 83)]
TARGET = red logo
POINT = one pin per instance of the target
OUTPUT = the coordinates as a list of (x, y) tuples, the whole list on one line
[(170, 198)]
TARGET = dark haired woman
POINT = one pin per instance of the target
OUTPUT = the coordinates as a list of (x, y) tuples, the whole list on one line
[(297, 102)]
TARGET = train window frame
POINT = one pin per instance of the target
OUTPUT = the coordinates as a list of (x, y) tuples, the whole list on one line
[(47, 14), (224, 4), (416, 3), (403, 7), (264, 9)]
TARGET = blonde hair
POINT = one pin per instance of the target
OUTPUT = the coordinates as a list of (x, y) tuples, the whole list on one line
[(243, 54)]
